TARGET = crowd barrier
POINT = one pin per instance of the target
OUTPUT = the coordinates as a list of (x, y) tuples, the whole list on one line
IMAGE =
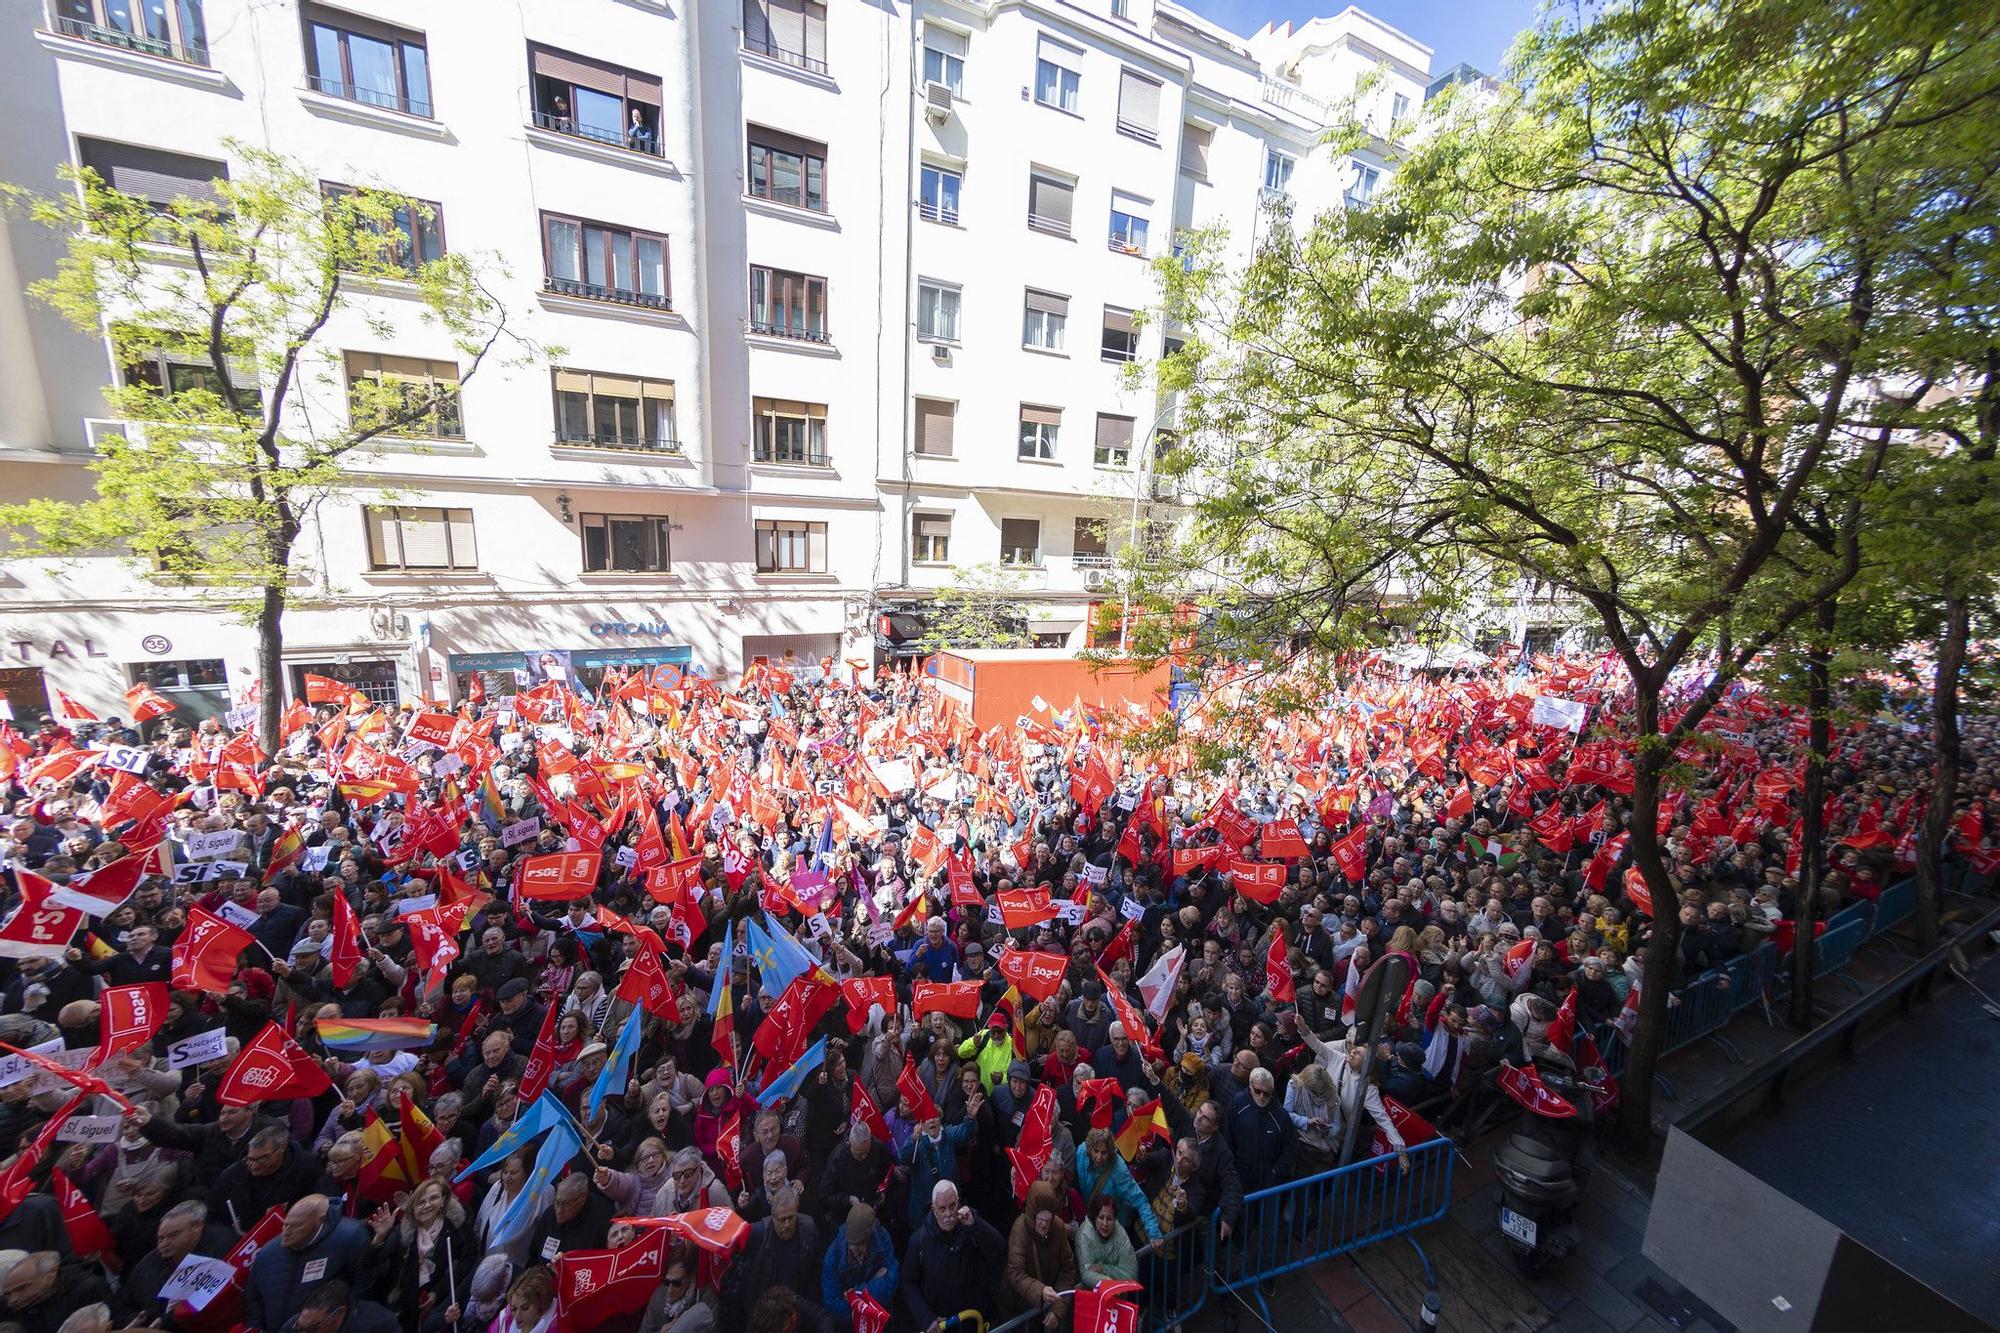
[(1284, 1228)]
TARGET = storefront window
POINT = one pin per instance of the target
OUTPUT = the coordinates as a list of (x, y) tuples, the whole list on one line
[(198, 687), (376, 679)]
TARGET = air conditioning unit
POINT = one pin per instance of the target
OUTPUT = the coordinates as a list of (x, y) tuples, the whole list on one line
[(1096, 580), (937, 103), (941, 354)]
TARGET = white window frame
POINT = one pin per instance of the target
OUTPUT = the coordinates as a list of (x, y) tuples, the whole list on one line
[(1035, 562), (950, 70), (1058, 75), (930, 548), (772, 533), (1053, 327), (930, 179), (1367, 179), (1047, 437), (947, 298), (382, 561), (1120, 239), (1283, 179)]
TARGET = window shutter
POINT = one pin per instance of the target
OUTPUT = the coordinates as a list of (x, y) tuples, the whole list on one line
[(756, 25), (1138, 104), (945, 40), (788, 25), (647, 88), (1047, 304), (347, 21), (816, 547), (383, 549), (1195, 140), (423, 538), (1114, 432), (933, 525), (464, 555), (1056, 53), (1041, 416), (779, 141), (1116, 320), (609, 386), (814, 19), (150, 174), (579, 70), (936, 423), (1049, 200), (572, 381)]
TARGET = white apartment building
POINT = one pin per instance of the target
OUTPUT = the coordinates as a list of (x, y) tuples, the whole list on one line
[(847, 296)]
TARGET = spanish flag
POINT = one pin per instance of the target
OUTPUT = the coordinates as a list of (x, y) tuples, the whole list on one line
[(381, 1162), (1149, 1121), (291, 844), (416, 1137)]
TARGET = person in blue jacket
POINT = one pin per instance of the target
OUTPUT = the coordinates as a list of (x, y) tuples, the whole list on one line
[(863, 1257), (1101, 1171), (933, 1156)]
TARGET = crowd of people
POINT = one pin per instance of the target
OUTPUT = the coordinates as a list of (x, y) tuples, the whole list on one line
[(893, 1017)]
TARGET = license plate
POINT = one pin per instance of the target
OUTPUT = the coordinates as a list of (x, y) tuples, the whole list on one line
[(1519, 1227)]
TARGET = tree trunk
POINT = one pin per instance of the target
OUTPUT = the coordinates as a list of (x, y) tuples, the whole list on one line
[(1812, 815), (1636, 1123), (1945, 758), (270, 667)]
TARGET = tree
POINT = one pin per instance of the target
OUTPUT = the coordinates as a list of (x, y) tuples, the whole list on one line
[(979, 609), (1635, 329), (223, 457)]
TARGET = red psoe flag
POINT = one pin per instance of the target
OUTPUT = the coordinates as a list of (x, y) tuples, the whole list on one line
[(1278, 970), (912, 1090), (1099, 1309), (867, 1313), (89, 1238), (147, 703), (270, 1068), (348, 950), (128, 1017), (561, 876), (1260, 881), (204, 956), (960, 999), (1351, 853)]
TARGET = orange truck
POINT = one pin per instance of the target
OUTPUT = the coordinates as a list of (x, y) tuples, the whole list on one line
[(997, 685)]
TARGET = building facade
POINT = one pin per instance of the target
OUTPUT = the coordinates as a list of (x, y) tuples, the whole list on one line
[(850, 300)]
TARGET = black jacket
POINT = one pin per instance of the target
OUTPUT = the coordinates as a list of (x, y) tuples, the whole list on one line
[(77, 1285), (214, 1152), (138, 1298), (948, 1271), (588, 1230), (238, 1195)]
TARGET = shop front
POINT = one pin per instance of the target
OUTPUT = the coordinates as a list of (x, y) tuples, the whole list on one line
[(582, 669)]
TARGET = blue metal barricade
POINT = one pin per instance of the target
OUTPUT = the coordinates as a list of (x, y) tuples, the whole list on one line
[(1862, 911), (1897, 904), (1835, 949), (1704, 1007)]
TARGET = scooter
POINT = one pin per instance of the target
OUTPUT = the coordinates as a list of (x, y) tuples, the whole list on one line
[(1544, 1164)]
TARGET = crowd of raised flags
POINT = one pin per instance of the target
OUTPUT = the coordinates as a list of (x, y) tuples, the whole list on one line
[(784, 888)]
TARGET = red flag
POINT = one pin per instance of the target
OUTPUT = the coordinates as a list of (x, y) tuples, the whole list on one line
[(1282, 841), (1133, 1021), (865, 1111), (1121, 945), (862, 992), (348, 950), (1525, 1086), (1351, 853), (1099, 1309), (1460, 804), (1261, 881), (1036, 975), (69, 709), (416, 1137), (1278, 970), (781, 1037), (17, 1181), (716, 1230), (224, 1310), (1561, 1034), (147, 703), (542, 1062), (866, 1312), (204, 957), (561, 876), (270, 1068), (1101, 1097), (1023, 909), (129, 1017), (960, 999), (323, 690), (594, 1287), (645, 983), (89, 1238), (38, 929), (1413, 1127), (912, 1088)]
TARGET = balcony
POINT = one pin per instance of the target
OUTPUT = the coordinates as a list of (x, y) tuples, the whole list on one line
[(647, 143), (330, 86), (766, 329), (1096, 572), (1127, 243), (84, 30), (590, 291), (1053, 226), (618, 440), (770, 50), (1290, 97), (944, 213), (764, 453)]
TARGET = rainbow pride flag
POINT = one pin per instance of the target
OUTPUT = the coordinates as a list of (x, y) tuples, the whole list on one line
[(354, 1035)]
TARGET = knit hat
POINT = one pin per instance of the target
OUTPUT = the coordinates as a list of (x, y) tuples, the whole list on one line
[(1019, 1069), (860, 1223), (258, 984)]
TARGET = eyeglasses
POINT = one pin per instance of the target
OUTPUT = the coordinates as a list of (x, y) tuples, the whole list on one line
[(676, 1283)]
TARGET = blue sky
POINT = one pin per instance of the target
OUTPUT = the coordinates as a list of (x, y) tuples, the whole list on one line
[(1475, 31)]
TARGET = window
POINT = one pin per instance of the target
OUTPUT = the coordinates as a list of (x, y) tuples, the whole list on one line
[(1040, 427), (937, 311), (406, 537), (601, 263), (1121, 9), (362, 60), (1138, 105), (615, 411), (1050, 202), (787, 305), (789, 431), (930, 539), (1114, 441), (1121, 339), (792, 32), (1087, 542), (1128, 224), (404, 395), (1195, 141), (936, 423), (1399, 109), (157, 177), (1362, 186), (937, 197), (1277, 171), (631, 543), (943, 67), (790, 546), (787, 169), (148, 364), (1044, 321), (158, 28), (1020, 541), (199, 686), (1057, 74), (590, 99), (414, 230)]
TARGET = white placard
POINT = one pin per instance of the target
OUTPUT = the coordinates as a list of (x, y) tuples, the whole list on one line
[(881, 933), (44, 1081), (236, 914), (447, 765), (1552, 710), (89, 1129), (525, 830), (1070, 912), (405, 906), (313, 860), (896, 776), (1096, 874), (993, 914), (14, 1068), (198, 1049), (626, 858), (126, 758), (1131, 908), (212, 842), (217, 869), (238, 718), (817, 925), (197, 1281)]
